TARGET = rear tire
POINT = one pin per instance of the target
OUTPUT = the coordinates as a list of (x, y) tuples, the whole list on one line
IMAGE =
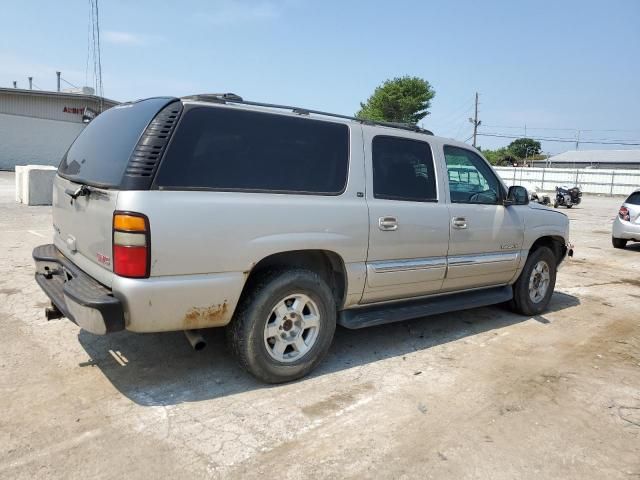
[(284, 325), (555, 204), (534, 288), (618, 242), (569, 206)]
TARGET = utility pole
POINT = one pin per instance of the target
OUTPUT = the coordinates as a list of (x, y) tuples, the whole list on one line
[(476, 122), (577, 139)]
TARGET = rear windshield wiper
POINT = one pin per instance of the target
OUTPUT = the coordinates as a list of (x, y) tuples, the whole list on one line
[(81, 191)]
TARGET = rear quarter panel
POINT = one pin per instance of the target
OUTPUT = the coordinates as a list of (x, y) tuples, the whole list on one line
[(212, 235)]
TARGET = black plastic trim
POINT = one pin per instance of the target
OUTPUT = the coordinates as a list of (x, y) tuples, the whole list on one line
[(80, 287), (407, 310), (152, 144)]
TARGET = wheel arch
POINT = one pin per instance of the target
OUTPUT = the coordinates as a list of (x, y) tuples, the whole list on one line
[(555, 243), (326, 263)]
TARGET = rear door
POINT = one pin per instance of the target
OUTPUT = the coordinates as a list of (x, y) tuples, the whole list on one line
[(485, 236), (82, 227), (408, 219), (95, 166)]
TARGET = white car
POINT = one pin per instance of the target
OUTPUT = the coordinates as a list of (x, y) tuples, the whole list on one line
[(626, 226)]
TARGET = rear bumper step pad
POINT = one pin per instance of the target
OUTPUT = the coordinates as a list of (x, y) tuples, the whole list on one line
[(78, 296)]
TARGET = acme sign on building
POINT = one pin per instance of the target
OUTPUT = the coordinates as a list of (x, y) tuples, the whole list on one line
[(74, 110)]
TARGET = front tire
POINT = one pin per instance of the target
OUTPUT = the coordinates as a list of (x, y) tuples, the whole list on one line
[(284, 325), (618, 242), (534, 288)]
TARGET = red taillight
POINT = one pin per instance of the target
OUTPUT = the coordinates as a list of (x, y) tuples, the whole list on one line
[(130, 261), (623, 213), (131, 245)]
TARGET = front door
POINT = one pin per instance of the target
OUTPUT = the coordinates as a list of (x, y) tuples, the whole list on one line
[(408, 219), (486, 237)]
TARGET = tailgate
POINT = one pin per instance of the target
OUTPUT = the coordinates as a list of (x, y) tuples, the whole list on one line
[(119, 150), (83, 227)]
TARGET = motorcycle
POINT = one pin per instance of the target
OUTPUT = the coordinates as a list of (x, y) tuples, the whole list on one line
[(536, 194), (541, 198), (567, 197)]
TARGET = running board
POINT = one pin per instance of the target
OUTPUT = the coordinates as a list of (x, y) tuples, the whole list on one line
[(399, 311)]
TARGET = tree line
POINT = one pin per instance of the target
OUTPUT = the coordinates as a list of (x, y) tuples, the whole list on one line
[(408, 99)]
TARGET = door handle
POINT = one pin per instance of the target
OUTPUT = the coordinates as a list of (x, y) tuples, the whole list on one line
[(459, 222), (388, 223)]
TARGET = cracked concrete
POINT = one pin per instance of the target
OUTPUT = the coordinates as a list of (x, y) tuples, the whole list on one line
[(479, 394)]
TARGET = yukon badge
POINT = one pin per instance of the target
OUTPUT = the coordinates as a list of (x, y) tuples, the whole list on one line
[(103, 259), (508, 246)]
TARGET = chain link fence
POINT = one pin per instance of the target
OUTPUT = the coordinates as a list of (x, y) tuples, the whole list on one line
[(589, 180)]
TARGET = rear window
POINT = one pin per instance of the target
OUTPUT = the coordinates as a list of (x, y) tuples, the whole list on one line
[(100, 154), (634, 198), (228, 149)]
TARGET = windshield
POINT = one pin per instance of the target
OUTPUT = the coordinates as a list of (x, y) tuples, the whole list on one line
[(100, 154)]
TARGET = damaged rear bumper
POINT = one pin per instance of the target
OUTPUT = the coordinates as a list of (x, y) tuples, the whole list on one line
[(78, 296)]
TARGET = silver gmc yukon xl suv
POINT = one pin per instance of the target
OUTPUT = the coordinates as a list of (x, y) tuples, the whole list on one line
[(279, 223)]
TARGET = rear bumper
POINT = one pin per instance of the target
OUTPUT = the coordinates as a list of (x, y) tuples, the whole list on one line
[(625, 230), (78, 296)]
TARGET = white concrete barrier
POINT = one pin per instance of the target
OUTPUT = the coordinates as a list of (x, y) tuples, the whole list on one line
[(34, 184), (18, 180)]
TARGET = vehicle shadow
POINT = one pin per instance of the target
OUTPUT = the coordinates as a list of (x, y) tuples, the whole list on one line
[(162, 369), (634, 247)]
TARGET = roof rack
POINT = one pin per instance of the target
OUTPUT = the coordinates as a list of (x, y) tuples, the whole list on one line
[(233, 98)]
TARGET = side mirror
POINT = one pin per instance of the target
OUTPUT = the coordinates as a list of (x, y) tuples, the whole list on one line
[(517, 195)]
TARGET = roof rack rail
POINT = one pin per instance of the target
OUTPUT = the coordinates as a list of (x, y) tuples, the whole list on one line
[(233, 98)]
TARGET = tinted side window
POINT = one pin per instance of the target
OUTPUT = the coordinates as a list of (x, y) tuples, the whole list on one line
[(634, 198), (471, 180), (230, 149), (403, 170)]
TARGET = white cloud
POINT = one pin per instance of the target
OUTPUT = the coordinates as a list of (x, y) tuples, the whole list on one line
[(125, 38), (229, 12)]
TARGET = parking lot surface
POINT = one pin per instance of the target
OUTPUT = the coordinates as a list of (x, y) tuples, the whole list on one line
[(477, 394)]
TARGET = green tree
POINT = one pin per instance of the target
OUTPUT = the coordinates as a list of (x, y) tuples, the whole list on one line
[(501, 157), (524, 147), (403, 99)]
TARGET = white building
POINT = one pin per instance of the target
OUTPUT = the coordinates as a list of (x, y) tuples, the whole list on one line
[(37, 127), (612, 159)]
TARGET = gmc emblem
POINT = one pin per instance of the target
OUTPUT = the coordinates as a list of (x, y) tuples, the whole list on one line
[(103, 259)]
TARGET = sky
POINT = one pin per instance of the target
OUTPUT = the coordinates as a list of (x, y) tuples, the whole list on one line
[(560, 69)]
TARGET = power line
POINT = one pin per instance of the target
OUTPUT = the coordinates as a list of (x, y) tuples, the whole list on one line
[(99, 54), (456, 113), (564, 129), (566, 140), (69, 83)]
